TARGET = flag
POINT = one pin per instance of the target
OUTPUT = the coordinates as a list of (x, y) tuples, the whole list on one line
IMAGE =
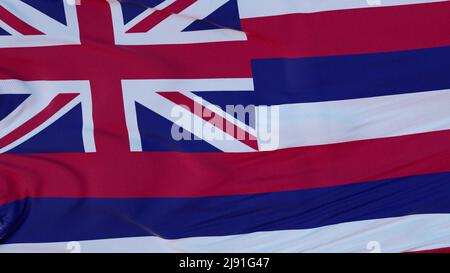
[(224, 125)]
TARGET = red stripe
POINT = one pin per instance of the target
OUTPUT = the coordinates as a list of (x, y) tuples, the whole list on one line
[(350, 31), (128, 175), (213, 118), (17, 24), (54, 106), (160, 15), (325, 33)]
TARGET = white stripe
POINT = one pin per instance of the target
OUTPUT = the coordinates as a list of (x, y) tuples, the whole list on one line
[(306, 124), (261, 8), (397, 234), (187, 85)]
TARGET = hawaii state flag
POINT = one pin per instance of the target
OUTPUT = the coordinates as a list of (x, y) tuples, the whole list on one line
[(224, 125)]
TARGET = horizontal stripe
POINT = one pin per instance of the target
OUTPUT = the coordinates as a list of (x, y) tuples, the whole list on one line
[(399, 234), (320, 123), (212, 174), (283, 81), (354, 31), (357, 31), (260, 8), (354, 76), (59, 219)]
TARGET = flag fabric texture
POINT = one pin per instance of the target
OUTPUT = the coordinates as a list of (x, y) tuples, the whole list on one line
[(116, 133)]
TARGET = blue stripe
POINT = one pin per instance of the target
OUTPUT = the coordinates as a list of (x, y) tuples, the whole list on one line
[(60, 219), (282, 81)]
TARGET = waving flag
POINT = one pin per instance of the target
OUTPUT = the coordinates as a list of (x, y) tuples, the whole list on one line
[(224, 125)]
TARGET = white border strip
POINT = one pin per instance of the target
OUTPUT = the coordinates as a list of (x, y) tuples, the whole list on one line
[(397, 234), (262, 8)]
